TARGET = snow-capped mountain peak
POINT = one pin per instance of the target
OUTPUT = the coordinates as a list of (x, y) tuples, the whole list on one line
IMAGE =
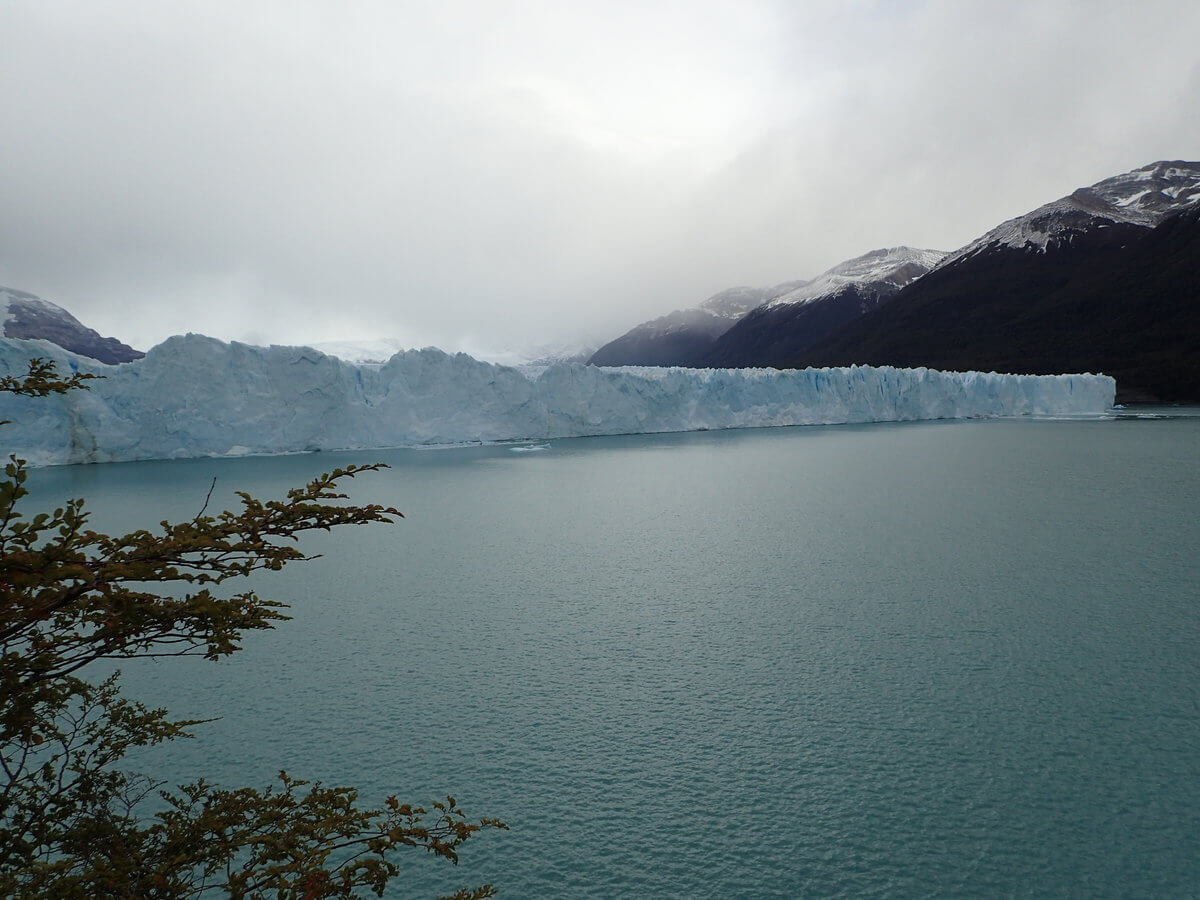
[(25, 315), (1142, 197), (1147, 194), (15, 305), (735, 302), (896, 266)]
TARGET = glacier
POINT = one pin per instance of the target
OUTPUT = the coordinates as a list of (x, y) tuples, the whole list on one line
[(194, 396)]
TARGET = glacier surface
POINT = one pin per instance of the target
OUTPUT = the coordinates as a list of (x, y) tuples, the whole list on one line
[(197, 396)]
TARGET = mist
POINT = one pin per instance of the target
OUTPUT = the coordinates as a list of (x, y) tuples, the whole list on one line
[(479, 175)]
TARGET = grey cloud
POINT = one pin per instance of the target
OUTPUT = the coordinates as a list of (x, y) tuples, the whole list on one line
[(466, 173)]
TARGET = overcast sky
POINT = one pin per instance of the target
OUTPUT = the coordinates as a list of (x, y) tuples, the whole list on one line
[(478, 174)]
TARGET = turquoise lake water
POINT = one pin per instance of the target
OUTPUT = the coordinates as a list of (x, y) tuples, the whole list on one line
[(929, 659)]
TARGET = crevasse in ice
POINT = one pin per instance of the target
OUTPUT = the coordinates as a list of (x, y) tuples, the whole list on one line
[(197, 396)]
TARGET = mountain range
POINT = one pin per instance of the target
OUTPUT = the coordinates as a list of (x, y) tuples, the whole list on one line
[(1103, 279), (1121, 299), (749, 326)]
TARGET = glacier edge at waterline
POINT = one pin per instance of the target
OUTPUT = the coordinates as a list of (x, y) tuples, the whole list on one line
[(194, 396)]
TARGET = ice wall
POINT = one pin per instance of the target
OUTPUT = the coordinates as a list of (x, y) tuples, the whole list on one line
[(197, 396)]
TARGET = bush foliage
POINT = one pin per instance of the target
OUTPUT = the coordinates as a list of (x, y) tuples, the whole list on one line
[(70, 819)]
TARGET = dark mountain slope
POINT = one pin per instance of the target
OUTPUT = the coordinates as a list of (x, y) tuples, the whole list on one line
[(680, 336), (1119, 299), (793, 322), (30, 317), (665, 341), (770, 335)]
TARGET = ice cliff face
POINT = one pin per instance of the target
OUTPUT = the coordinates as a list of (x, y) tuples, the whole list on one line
[(195, 396)]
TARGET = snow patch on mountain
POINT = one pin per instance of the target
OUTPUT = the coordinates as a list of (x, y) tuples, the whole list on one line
[(194, 396), (1141, 197), (895, 266), (735, 302)]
